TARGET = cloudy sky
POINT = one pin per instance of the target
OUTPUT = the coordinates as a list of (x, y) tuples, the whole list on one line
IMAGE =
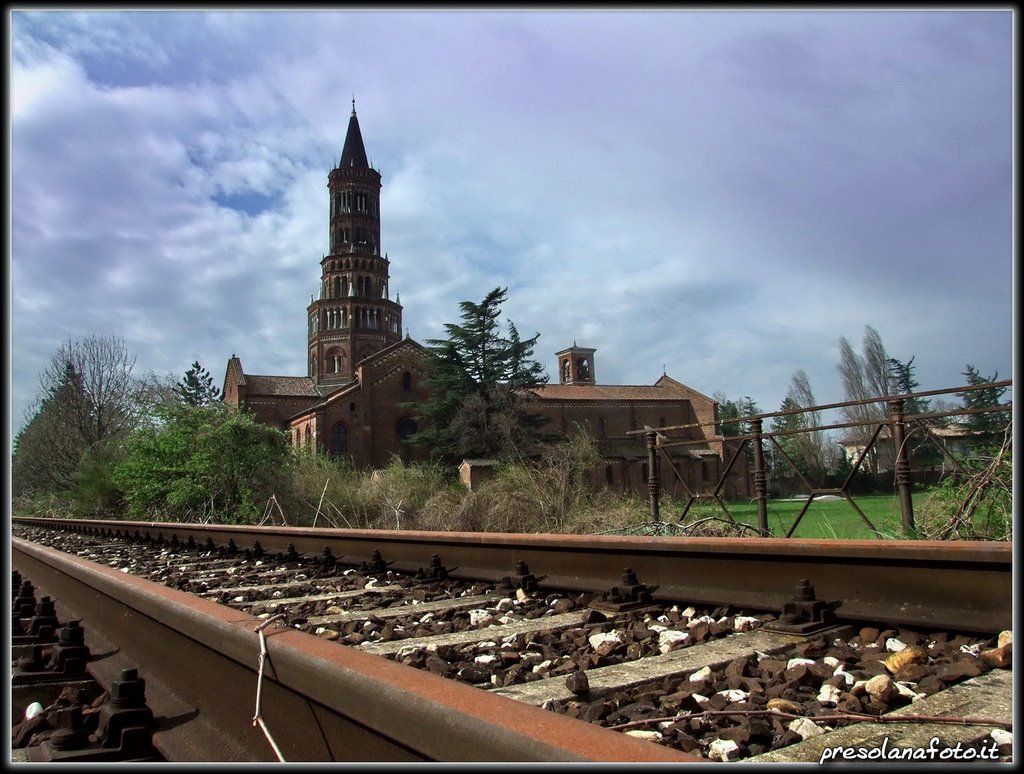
[(719, 195)]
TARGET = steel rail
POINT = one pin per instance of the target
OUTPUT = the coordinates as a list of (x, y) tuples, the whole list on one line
[(320, 701), (960, 585)]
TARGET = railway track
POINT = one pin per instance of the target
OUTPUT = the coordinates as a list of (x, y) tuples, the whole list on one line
[(406, 646)]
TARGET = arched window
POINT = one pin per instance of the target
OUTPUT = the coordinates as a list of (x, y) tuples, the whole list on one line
[(406, 427), (406, 381), (309, 438), (339, 440)]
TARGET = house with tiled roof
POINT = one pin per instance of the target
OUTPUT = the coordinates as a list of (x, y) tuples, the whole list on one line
[(611, 414)]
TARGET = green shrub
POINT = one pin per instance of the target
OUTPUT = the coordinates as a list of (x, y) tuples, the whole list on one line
[(203, 463)]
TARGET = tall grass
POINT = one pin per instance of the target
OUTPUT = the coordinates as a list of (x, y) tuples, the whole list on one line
[(553, 493)]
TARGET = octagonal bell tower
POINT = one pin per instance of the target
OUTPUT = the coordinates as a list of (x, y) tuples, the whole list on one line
[(354, 316)]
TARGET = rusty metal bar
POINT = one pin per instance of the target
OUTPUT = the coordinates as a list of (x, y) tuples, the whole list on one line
[(961, 585), (902, 464), (901, 456), (716, 494), (862, 402), (653, 483), (760, 478), (322, 701)]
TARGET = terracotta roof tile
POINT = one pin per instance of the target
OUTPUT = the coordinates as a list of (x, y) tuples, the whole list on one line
[(301, 386), (607, 392)]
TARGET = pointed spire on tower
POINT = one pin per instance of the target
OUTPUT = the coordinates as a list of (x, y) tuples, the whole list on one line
[(353, 154)]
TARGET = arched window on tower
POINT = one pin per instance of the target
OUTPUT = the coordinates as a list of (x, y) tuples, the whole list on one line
[(339, 440)]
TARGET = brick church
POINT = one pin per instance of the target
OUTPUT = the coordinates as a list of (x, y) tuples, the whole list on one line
[(362, 373)]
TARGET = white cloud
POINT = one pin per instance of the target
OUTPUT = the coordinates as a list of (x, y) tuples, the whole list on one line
[(719, 194)]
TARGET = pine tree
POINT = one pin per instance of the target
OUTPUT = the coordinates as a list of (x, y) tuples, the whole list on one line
[(989, 425), (901, 376), (196, 387), (479, 382), (924, 453)]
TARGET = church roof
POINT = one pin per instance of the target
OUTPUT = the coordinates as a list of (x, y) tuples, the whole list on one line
[(353, 154), (294, 386), (610, 392)]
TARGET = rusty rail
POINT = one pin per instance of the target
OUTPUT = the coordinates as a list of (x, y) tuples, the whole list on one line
[(960, 585), (320, 701)]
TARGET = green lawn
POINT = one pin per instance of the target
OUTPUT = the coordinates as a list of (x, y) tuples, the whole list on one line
[(823, 519)]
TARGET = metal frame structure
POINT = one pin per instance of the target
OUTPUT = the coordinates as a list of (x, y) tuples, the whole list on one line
[(896, 419)]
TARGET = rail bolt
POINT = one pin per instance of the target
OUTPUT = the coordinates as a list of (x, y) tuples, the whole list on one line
[(25, 602), (44, 622), (32, 661), (328, 559), (126, 709), (71, 653), (376, 563), (72, 732), (805, 614), (522, 578), (436, 570)]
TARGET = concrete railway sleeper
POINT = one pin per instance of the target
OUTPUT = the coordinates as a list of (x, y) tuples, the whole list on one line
[(699, 681)]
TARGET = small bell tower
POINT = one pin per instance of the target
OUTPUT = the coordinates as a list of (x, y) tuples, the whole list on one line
[(576, 365), (354, 316)]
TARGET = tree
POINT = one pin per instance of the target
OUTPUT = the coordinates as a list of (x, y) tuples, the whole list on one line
[(479, 383), (988, 426), (903, 382), (924, 454), (811, 445), (196, 387), (729, 411), (790, 419), (876, 363), (203, 462), (88, 397), (864, 376)]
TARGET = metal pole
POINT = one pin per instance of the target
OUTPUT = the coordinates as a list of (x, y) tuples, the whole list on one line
[(760, 478), (652, 474), (902, 464)]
